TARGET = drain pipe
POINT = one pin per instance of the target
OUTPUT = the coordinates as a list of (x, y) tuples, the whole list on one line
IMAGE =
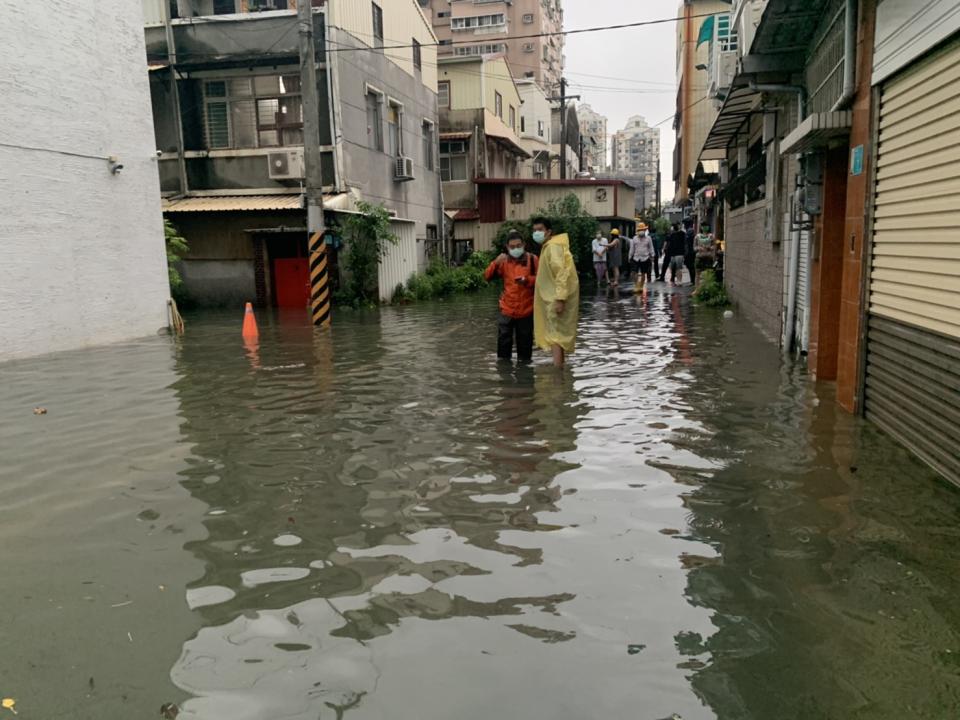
[(849, 56)]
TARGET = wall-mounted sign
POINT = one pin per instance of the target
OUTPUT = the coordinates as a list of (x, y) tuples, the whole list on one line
[(856, 160)]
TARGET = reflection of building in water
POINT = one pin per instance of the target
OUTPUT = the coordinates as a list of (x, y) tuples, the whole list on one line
[(347, 483), (817, 560)]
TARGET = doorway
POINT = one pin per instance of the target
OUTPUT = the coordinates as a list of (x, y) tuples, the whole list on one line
[(290, 270)]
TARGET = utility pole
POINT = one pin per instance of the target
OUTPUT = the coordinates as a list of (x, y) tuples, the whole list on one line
[(319, 276), (175, 96), (563, 124)]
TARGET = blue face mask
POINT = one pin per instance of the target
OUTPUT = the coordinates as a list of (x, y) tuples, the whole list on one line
[(539, 236), (516, 253)]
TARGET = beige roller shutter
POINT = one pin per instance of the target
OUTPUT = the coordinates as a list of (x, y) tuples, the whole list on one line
[(915, 277), (913, 338)]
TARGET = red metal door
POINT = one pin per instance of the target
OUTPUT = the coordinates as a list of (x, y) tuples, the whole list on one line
[(291, 277)]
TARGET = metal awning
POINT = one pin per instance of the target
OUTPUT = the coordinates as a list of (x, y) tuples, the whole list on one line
[(456, 135), (234, 203), (817, 131), (740, 104), (507, 139)]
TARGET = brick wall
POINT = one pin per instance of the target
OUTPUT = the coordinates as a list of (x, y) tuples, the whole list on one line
[(753, 269)]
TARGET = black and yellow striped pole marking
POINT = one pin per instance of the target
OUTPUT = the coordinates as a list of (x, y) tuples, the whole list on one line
[(319, 281)]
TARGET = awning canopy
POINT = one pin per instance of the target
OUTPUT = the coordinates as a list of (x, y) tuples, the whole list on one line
[(456, 135), (817, 131), (740, 104), (340, 202)]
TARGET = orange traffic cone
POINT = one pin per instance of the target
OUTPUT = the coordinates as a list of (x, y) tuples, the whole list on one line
[(250, 323)]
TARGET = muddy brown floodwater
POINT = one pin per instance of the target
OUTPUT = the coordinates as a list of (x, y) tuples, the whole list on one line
[(382, 523)]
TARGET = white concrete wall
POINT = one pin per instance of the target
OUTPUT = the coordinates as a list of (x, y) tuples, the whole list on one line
[(83, 258)]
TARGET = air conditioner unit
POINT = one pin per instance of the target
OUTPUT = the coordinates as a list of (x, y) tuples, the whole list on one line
[(286, 164), (404, 169)]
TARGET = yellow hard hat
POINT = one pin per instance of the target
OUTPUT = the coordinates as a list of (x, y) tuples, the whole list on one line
[(614, 232)]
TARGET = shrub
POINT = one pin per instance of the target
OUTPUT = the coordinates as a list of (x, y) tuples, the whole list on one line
[(711, 292), (366, 236), (442, 280), (177, 247)]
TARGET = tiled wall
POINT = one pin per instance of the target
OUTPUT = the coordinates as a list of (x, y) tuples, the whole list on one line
[(753, 269)]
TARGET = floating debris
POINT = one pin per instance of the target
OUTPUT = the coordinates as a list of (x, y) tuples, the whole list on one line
[(635, 649), (169, 711), (36, 411), (10, 703)]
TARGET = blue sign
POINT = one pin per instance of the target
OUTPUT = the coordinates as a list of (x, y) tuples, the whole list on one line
[(856, 160)]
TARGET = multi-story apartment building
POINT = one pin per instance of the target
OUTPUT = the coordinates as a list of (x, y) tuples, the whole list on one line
[(635, 158), (232, 164), (593, 130), (479, 120), (481, 27), (694, 116)]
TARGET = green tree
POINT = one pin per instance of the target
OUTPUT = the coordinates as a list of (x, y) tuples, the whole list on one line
[(524, 228), (366, 236), (569, 216), (177, 247)]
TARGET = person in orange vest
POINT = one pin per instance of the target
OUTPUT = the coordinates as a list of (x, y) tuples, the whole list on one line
[(518, 268)]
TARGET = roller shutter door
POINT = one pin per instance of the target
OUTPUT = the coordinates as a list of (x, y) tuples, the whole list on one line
[(913, 335)]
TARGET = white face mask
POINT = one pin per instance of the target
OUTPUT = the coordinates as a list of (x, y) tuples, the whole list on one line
[(539, 236), (516, 253)]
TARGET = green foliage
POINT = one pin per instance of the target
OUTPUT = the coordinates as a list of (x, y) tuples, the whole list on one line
[(442, 280), (177, 247), (661, 226), (711, 292), (568, 216), (366, 236)]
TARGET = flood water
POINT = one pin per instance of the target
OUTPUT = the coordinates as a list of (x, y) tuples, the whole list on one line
[(382, 523)]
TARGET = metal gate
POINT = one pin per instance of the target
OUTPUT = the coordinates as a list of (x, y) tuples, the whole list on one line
[(400, 261), (913, 335)]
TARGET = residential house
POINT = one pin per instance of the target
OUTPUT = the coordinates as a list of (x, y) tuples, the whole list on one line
[(839, 223), (479, 116), (236, 189), (593, 127), (526, 32), (502, 199), (83, 254), (535, 130)]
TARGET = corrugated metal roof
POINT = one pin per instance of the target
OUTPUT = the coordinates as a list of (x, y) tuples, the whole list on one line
[(817, 131), (234, 203), (455, 135)]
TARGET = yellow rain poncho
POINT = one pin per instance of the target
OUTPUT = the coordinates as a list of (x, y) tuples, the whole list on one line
[(556, 280)]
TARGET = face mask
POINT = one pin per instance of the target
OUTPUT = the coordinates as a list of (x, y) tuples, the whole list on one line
[(539, 236), (516, 253)]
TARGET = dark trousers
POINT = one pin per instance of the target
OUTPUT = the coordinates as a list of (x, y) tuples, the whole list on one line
[(690, 261), (507, 327), (656, 266)]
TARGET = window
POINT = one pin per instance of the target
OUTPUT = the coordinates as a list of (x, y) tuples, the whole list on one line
[(428, 145), (498, 104), (488, 49), (224, 7), (727, 37), (443, 14), (513, 118), (528, 18), (453, 161), (546, 52), (540, 128), (477, 21), (528, 47), (395, 129), (443, 93), (417, 57), (377, 25), (516, 196), (251, 112), (523, 123), (445, 42), (374, 121)]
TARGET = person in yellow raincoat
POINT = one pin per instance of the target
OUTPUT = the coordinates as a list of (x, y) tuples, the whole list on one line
[(556, 305)]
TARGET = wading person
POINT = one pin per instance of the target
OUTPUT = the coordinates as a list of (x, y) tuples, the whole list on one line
[(674, 253), (557, 299), (615, 257), (518, 269), (690, 250), (641, 259), (706, 247), (600, 245), (657, 239)]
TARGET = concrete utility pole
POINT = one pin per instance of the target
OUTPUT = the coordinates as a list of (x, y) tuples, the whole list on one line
[(319, 275), (563, 124)]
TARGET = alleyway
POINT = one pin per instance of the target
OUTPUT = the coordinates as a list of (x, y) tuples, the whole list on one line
[(382, 524)]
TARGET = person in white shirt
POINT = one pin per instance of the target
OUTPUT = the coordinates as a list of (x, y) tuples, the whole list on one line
[(641, 259), (600, 246)]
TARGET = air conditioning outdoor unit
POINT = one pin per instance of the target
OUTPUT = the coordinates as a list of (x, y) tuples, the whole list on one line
[(286, 164), (404, 169)]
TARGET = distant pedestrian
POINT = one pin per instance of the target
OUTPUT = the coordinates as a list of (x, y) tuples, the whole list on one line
[(518, 268), (674, 251), (615, 257), (658, 271), (641, 259), (556, 306), (706, 247), (690, 250), (600, 245)]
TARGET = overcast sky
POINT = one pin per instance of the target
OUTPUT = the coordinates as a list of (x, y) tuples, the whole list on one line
[(635, 67)]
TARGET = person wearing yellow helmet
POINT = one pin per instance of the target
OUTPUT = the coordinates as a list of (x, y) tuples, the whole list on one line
[(615, 257)]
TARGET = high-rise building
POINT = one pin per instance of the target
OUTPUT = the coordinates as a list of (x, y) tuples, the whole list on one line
[(484, 27), (635, 158), (593, 130)]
